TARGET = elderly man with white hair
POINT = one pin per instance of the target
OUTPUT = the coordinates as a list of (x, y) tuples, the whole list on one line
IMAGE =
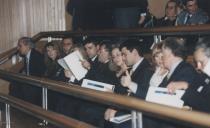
[(198, 95)]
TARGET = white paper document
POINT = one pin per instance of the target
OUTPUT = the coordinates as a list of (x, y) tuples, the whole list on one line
[(120, 119), (97, 85), (73, 63), (161, 96)]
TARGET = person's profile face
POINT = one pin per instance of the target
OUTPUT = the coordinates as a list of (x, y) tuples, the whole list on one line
[(103, 54), (117, 57), (91, 50), (128, 56), (67, 45), (166, 57), (201, 59), (22, 48), (158, 58)]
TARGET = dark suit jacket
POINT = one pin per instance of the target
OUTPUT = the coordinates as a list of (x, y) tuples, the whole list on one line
[(141, 77), (198, 95), (31, 93), (183, 72), (36, 64), (200, 17)]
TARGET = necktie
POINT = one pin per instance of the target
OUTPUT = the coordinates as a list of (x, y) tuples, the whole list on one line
[(187, 19), (27, 66)]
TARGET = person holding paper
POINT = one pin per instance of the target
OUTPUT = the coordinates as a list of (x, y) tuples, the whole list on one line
[(181, 74), (98, 72), (67, 46), (198, 95), (173, 59)]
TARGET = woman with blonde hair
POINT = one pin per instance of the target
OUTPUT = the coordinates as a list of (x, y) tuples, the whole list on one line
[(160, 72)]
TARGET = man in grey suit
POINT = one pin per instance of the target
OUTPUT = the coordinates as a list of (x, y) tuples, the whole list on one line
[(192, 15)]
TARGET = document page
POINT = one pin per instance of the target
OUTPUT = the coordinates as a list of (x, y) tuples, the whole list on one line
[(73, 62), (161, 96), (121, 119), (97, 85)]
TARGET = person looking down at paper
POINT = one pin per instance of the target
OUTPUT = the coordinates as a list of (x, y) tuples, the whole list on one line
[(67, 46), (181, 74), (198, 95), (160, 71)]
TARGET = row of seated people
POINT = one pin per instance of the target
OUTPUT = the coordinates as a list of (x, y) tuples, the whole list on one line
[(177, 14), (124, 66)]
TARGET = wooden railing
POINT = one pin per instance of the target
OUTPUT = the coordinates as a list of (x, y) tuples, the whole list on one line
[(52, 117), (170, 31), (158, 111)]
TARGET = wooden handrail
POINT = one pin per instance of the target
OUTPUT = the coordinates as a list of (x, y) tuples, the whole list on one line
[(203, 29), (159, 111), (7, 54), (52, 117)]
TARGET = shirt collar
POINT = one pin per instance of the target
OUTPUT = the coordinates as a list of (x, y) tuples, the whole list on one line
[(28, 54), (173, 67), (134, 67), (93, 59), (207, 68)]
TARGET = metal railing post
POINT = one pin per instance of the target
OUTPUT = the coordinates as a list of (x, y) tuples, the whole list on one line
[(44, 102), (8, 122), (133, 119)]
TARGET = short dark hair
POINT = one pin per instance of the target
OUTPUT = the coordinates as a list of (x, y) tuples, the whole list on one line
[(176, 45), (107, 44), (27, 41), (90, 40), (131, 44), (186, 1), (71, 38), (204, 43)]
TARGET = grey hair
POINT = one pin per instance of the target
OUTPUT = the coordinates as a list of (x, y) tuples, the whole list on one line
[(27, 41), (204, 43)]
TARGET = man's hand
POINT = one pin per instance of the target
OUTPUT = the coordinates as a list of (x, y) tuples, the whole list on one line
[(86, 64), (126, 80), (110, 113), (173, 86), (141, 20), (68, 73)]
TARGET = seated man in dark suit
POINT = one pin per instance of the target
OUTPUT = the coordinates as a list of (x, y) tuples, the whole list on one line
[(180, 75), (33, 65), (198, 95), (137, 79), (173, 59), (98, 70)]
